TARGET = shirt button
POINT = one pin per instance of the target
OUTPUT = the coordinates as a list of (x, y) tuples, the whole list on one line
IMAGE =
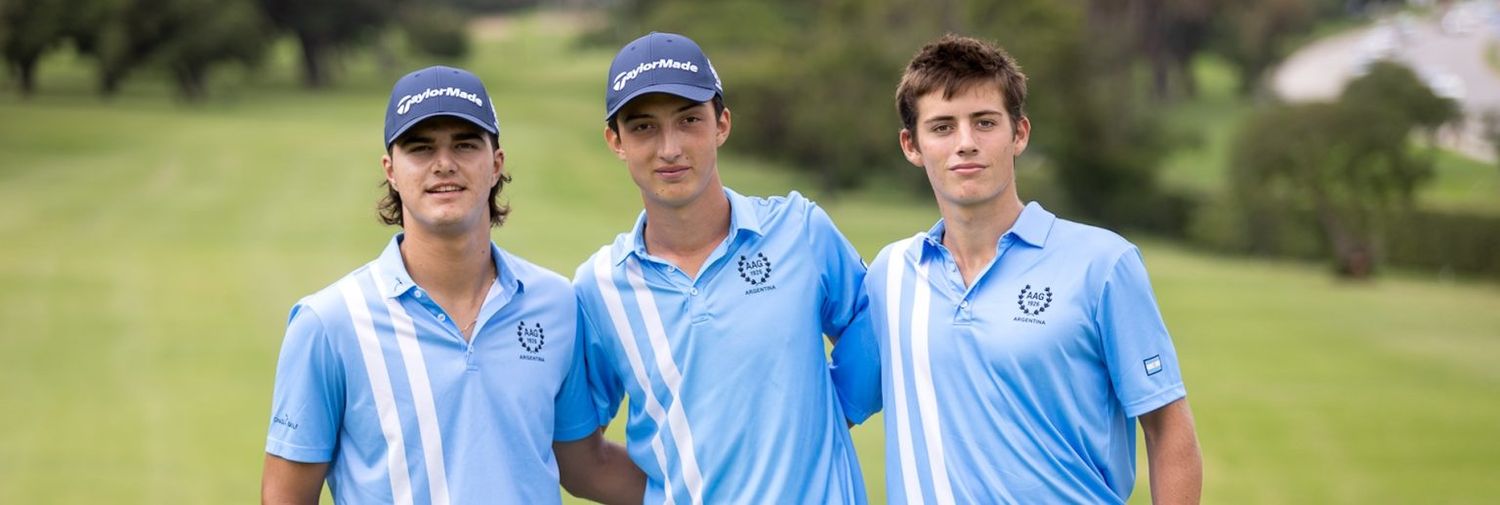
[(964, 305), (442, 317), (417, 293), (694, 291)]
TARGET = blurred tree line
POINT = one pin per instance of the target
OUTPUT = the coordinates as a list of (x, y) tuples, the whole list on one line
[(190, 38), (815, 79), (812, 83)]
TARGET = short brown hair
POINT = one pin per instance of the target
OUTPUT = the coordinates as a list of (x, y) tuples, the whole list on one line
[(389, 207), (953, 63)]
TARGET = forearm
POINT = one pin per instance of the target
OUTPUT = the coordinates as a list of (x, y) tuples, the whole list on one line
[(599, 470), (1174, 459), (286, 482), (1177, 474)]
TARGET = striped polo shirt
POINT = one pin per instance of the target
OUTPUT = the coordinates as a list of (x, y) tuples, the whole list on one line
[(1025, 386), (731, 399), (376, 379)]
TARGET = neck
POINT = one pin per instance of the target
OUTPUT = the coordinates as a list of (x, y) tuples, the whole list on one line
[(448, 264), (972, 232), (685, 235)]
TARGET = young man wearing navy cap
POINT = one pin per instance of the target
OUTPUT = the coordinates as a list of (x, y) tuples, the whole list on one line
[(446, 370), (1019, 349), (710, 313)]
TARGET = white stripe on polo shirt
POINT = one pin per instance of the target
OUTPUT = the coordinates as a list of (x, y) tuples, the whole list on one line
[(921, 368), (902, 419), (380, 386), (421, 392), (682, 433), (617, 316)]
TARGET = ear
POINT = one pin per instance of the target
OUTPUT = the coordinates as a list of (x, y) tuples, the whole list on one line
[(390, 170), (1022, 135), (910, 149), (724, 127), (499, 165), (612, 139)]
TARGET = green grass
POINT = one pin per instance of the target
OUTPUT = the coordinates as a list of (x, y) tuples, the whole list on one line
[(151, 252)]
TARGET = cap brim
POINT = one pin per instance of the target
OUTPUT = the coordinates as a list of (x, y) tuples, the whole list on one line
[(482, 124), (690, 92)]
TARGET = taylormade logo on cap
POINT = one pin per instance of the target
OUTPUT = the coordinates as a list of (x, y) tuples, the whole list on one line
[(625, 77), (407, 101)]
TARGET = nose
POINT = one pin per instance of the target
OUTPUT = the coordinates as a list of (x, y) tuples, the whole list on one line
[(444, 162), (967, 144), (671, 146)]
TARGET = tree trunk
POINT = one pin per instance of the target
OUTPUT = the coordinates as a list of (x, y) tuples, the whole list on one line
[(190, 80), (26, 67), (1352, 254), (109, 81), (314, 61)]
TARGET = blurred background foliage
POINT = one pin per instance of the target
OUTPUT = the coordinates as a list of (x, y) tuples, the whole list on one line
[(811, 84)]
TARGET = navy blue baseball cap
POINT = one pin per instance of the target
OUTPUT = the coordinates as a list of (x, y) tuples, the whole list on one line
[(660, 63), (438, 91)]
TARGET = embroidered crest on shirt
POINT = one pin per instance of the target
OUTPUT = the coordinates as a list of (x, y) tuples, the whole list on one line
[(756, 271), (531, 338), (1032, 303)]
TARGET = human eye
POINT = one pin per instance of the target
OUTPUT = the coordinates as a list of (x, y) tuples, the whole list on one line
[(941, 128), (988, 123)]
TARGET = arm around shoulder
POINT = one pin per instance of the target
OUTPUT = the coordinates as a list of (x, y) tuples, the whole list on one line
[(1176, 464)]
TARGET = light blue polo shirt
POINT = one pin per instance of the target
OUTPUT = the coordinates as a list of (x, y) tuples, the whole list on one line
[(1023, 388), (731, 399), (375, 378)]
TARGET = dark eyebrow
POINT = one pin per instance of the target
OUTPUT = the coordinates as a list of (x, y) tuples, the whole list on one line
[(467, 135), (641, 115), (413, 139), (938, 119)]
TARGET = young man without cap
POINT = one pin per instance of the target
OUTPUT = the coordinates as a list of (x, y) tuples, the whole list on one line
[(1018, 349), (446, 370), (710, 313)]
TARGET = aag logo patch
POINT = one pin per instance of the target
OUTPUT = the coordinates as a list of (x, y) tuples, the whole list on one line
[(531, 338), (756, 271), (1032, 303)]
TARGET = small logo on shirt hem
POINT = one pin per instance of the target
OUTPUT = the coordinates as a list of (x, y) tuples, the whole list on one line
[(1153, 364), (285, 420)]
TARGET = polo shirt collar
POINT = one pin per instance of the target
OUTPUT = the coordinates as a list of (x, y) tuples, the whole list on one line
[(742, 219), (398, 281), (1032, 227)]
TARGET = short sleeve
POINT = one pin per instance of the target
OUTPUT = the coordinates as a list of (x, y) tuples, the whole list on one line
[(1142, 362), (842, 276), (846, 318), (575, 416), (604, 386), (307, 402)]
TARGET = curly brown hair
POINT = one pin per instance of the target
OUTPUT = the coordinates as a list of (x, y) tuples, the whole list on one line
[(389, 207), (953, 63)]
